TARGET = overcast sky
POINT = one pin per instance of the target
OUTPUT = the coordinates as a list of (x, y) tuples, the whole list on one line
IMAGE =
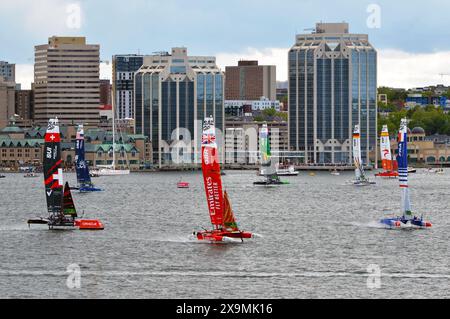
[(412, 37)]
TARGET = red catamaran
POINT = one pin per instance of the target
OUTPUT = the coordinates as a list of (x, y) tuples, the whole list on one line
[(223, 220), (390, 166)]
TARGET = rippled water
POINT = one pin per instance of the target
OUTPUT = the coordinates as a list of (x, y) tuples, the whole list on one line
[(317, 237)]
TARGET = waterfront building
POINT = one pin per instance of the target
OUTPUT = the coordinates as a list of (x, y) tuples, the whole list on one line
[(8, 71), (431, 150), (7, 101), (332, 87), (24, 147), (124, 67), (240, 107), (250, 81), (174, 93), (242, 141), (66, 81), (105, 92)]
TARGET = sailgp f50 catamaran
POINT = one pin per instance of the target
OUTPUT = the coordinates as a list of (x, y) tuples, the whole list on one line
[(268, 165), (389, 165), (361, 179), (83, 177), (60, 206), (407, 219), (222, 218)]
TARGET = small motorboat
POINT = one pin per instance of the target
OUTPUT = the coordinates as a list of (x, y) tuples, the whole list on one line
[(412, 170), (2, 176), (182, 185), (290, 171), (94, 174), (335, 173), (31, 175)]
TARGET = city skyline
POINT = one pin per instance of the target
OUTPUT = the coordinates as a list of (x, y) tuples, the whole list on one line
[(392, 28)]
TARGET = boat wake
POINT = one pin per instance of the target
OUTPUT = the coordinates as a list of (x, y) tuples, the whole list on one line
[(227, 274)]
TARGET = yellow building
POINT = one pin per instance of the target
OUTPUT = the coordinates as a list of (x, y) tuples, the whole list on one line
[(431, 150)]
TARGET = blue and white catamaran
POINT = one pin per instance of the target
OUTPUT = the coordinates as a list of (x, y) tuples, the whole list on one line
[(407, 219), (83, 178)]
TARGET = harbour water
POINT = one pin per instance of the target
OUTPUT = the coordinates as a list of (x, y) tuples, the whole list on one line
[(316, 239)]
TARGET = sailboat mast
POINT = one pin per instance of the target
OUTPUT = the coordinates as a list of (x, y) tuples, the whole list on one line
[(403, 168), (114, 138)]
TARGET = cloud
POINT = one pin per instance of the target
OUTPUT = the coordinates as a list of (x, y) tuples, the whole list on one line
[(25, 75), (45, 17), (396, 68), (401, 69), (270, 56)]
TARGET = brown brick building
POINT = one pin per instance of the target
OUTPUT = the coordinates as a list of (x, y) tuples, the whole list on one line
[(250, 81)]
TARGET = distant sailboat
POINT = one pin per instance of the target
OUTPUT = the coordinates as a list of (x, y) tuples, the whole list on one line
[(60, 207), (407, 218), (82, 169), (390, 166), (268, 165), (361, 179), (224, 224), (111, 170)]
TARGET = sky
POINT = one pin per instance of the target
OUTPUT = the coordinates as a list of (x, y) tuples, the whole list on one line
[(412, 37)]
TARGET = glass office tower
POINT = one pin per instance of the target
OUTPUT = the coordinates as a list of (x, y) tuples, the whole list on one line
[(173, 94), (332, 87)]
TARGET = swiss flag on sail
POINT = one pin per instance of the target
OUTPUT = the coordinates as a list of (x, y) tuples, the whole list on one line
[(52, 138)]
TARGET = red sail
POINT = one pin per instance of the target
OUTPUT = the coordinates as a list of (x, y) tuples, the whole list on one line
[(229, 220), (211, 173)]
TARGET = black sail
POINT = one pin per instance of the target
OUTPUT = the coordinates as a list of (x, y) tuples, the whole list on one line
[(53, 174)]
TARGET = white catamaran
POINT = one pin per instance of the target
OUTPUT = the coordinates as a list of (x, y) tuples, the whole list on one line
[(268, 164), (360, 176)]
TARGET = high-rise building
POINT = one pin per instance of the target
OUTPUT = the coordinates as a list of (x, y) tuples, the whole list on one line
[(25, 104), (332, 87), (124, 68), (7, 101), (8, 71), (66, 78), (250, 81), (105, 92), (173, 92)]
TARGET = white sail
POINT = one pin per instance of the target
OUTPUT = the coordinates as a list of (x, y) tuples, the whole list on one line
[(385, 145), (359, 171), (268, 164)]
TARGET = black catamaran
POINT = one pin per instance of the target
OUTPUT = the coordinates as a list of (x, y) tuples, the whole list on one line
[(60, 206)]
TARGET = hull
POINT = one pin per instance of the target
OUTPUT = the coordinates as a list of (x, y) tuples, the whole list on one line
[(113, 172), (387, 174), (80, 224), (361, 183), (89, 189), (219, 236), (288, 173), (401, 223), (270, 183)]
